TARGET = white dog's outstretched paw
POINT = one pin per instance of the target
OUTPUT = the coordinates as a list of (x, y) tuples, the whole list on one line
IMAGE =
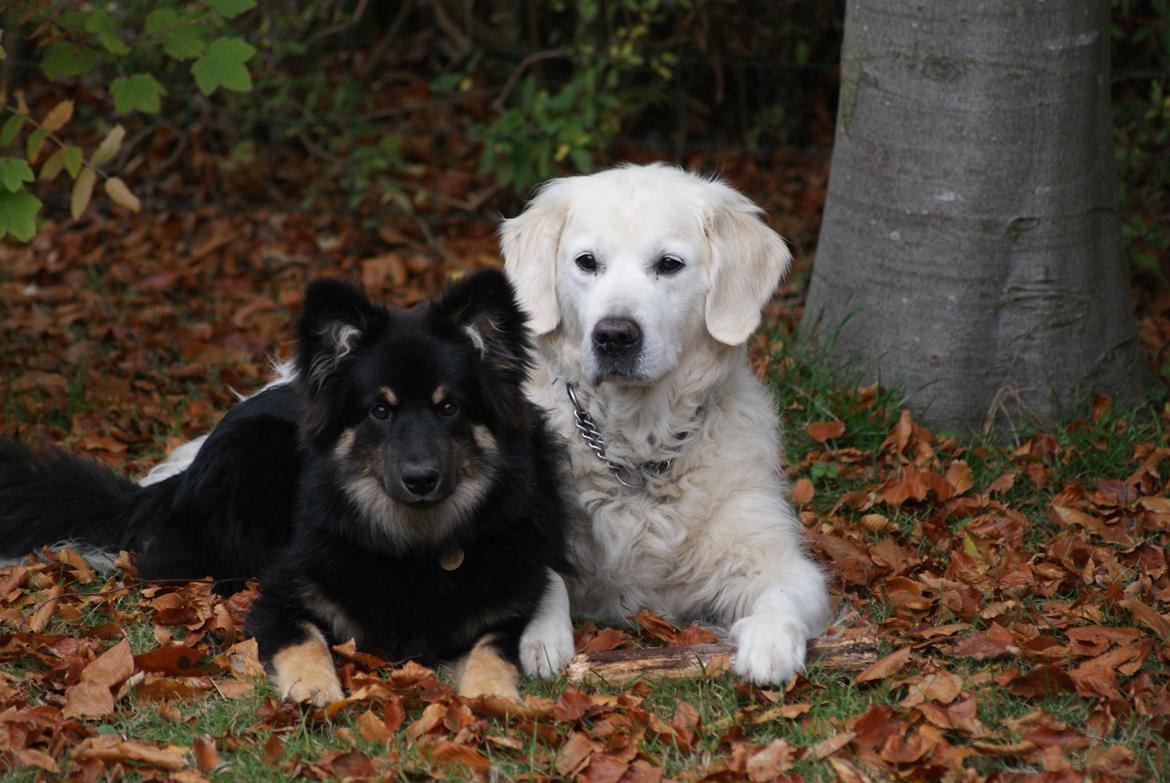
[(768, 651), (546, 646)]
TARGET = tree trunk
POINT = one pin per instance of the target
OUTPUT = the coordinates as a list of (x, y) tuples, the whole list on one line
[(970, 252)]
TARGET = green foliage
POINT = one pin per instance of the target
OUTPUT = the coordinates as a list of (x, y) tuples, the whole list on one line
[(140, 92), (615, 73), (178, 33), (224, 65), (121, 46), (14, 172), (18, 213)]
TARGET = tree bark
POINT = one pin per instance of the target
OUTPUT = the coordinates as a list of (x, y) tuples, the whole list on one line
[(970, 252)]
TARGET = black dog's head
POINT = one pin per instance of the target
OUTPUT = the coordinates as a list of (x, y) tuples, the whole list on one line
[(410, 405)]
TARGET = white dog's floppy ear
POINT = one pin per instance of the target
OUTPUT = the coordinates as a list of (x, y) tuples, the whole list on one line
[(748, 260), (529, 243)]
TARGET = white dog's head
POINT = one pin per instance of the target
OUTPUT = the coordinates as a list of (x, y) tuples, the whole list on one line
[(641, 263)]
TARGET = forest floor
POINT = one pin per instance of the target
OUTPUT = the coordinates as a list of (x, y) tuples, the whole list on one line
[(1019, 587)]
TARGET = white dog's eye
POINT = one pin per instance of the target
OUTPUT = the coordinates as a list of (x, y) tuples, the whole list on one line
[(586, 262), (668, 265)]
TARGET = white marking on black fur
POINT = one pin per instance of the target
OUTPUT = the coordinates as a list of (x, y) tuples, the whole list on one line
[(176, 462), (343, 338), (476, 339), (486, 336)]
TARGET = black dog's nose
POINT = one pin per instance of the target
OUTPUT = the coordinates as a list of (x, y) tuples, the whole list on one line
[(420, 480), (617, 336)]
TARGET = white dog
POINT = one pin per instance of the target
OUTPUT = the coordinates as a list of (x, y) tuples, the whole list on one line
[(643, 284)]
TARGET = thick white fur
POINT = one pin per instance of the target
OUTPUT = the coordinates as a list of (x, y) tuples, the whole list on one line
[(714, 537)]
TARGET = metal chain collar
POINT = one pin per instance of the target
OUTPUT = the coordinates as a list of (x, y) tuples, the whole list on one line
[(632, 476)]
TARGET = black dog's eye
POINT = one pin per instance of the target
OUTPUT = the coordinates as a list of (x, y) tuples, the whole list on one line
[(668, 265), (448, 408), (381, 411), (586, 262)]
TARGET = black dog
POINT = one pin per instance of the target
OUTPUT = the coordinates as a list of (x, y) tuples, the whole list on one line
[(401, 492)]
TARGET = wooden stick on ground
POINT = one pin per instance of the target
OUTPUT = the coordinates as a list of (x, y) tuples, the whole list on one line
[(851, 651)]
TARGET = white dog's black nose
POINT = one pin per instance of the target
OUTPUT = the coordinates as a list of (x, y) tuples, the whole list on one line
[(617, 336)]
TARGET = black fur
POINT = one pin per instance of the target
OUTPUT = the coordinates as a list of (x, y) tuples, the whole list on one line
[(309, 487)]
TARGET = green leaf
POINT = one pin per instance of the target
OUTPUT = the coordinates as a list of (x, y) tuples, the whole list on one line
[(582, 160), (13, 173), (230, 8), (72, 159), (445, 82), (64, 60), (223, 66), (18, 212), (101, 25), (36, 140), (140, 92), (161, 20), (181, 35), (10, 129)]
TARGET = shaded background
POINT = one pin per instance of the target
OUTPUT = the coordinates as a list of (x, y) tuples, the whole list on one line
[(384, 140)]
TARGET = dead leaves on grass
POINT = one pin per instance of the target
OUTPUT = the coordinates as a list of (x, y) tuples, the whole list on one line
[(1070, 604), (978, 596)]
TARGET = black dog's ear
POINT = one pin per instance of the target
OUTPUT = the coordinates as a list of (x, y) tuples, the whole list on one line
[(483, 305), (336, 317)]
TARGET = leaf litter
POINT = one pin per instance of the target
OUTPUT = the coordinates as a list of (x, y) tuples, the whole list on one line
[(1021, 592)]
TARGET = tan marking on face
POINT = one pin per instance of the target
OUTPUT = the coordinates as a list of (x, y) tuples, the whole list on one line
[(484, 438), (389, 396), (439, 394), (344, 443), (304, 672), (483, 672), (325, 608)]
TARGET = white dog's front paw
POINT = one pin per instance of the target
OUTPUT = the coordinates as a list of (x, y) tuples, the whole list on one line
[(768, 651), (546, 646)]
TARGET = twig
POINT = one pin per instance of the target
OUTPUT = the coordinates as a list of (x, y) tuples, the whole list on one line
[(431, 240), (462, 42), (471, 204), (388, 37), (527, 62), (318, 150), (410, 108), (184, 138), (354, 18)]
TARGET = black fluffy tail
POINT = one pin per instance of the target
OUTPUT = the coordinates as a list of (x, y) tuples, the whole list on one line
[(48, 497)]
